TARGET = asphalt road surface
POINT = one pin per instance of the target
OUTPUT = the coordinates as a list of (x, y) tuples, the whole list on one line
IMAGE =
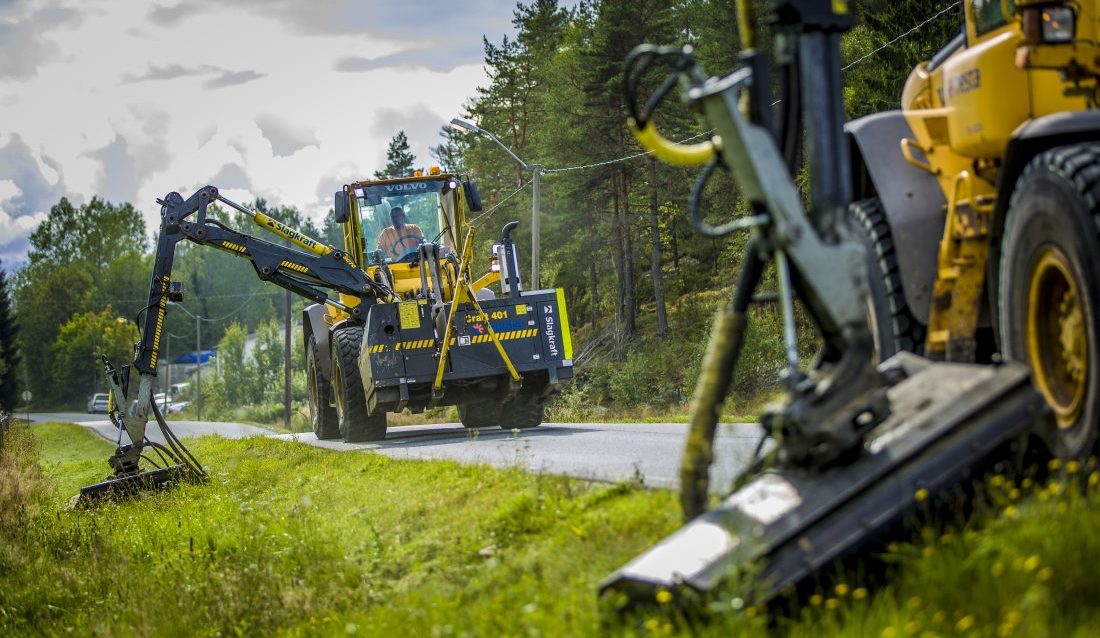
[(183, 429), (649, 452), (602, 451)]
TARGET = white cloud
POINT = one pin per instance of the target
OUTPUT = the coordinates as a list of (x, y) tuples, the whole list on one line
[(131, 100), (14, 229)]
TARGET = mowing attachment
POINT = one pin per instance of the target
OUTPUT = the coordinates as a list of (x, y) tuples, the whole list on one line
[(172, 463)]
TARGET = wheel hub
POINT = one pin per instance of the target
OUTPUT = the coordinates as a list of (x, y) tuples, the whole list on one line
[(1057, 339)]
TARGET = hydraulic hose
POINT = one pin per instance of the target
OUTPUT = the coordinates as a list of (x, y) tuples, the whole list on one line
[(727, 337)]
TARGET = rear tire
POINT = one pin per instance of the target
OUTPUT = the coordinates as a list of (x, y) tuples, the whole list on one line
[(351, 401), (1050, 287), (322, 414), (892, 322), (525, 409), (480, 414)]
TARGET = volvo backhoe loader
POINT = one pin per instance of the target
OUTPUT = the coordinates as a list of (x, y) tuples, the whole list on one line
[(408, 324), (976, 217)]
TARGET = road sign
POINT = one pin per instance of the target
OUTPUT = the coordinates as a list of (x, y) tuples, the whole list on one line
[(26, 396)]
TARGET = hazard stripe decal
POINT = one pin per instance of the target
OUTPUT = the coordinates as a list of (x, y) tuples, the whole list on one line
[(420, 344)]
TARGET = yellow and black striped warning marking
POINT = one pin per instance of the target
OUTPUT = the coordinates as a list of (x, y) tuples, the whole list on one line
[(289, 265), (415, 344), (419, 344), (503, 336), (237, 248), (160, 320)]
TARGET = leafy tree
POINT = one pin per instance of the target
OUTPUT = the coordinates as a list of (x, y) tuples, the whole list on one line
[(82, 259), (399, 159), (267, 353), (9, 355), (80, 344), (237, 375)]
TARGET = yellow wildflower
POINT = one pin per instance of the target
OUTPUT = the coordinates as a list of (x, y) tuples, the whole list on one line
[(965, 623)]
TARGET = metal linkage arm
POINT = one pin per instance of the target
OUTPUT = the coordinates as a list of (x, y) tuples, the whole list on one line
[(303, 273)]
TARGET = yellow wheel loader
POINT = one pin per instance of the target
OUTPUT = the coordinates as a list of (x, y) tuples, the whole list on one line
[(963, 227), (399, 319), (978, 203)]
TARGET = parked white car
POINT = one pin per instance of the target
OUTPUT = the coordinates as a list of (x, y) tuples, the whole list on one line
[(98, 403)]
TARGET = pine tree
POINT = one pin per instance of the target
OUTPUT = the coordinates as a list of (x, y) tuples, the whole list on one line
[(451, 152), (399, 159), (9, 361)]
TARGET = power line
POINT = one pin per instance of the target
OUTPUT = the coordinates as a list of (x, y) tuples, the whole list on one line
[(501, 202), (904, 35), (888, 44), (620, 159)]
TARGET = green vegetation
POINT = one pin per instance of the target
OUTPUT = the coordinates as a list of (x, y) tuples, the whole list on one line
[(292, 540), (305, 541), (641, 285)]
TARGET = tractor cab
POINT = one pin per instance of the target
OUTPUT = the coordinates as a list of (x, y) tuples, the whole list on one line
[(397, 216)]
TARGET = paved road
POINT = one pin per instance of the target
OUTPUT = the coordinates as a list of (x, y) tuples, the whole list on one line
[(183, 429), (605, 451), (601, 451)]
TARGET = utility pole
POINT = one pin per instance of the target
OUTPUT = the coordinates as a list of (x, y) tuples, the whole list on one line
[(198, 368), (286, 362), (536, 173)]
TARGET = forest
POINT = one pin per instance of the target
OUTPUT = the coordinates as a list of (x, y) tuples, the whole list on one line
[(640, 284)]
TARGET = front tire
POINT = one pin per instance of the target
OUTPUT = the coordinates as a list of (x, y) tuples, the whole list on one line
[(891, 321), (322, 413), (355, 424), (1050, 287)]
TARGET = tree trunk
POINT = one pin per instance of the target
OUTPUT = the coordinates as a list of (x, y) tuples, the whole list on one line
[(629, 313), (655, 253), (617, 257), (593, 294)]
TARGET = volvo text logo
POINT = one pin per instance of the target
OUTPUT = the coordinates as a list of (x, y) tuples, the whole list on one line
[(407, 187)]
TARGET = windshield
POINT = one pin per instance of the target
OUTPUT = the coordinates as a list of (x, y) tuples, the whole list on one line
[(398, 217)]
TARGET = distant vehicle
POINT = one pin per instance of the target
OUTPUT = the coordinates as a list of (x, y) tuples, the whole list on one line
[(98, 403), (192, 357), (166, 407)]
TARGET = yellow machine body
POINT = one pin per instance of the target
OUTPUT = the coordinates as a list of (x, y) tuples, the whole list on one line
[(963, 115)]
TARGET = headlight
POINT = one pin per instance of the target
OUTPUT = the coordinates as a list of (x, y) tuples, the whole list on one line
[(1058, 24), (1054, 24)]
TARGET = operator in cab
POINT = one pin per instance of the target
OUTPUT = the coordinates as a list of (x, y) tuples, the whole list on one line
[(399, 239)]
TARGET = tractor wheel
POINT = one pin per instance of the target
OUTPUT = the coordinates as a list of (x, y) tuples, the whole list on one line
[(351, 400), (480, 414), (1050, 287), (524, 410), (321, 412), (893, 325)]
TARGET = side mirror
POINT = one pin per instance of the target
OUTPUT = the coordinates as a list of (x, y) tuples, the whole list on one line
[(473, 199), (341, 207)]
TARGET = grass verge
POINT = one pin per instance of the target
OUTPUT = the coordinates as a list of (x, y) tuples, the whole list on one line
[(292, 540)]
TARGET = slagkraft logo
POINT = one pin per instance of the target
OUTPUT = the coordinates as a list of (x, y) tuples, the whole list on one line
[(551, 335), (407, 187)]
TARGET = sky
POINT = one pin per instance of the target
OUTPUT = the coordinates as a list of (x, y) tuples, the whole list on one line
[(281, 99)]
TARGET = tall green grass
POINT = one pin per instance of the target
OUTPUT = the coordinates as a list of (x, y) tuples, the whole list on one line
[(287, 539), (290, 539)]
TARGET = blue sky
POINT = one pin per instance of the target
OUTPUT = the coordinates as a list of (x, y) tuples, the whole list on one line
[(280, 99)]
